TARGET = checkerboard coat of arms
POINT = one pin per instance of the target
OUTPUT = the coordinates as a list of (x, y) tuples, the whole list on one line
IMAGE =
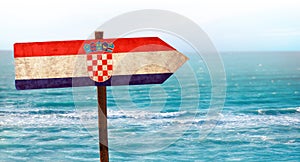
[(99, 65)]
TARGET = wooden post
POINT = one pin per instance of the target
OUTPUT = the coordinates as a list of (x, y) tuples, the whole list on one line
[(102, 116)]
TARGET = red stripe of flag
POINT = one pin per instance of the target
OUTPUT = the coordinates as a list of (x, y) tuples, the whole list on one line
[(74, 47)]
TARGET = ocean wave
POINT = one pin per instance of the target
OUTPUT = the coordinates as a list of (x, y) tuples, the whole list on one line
[(54, 104), (284, 116), (273, 111), (144, 114), (44, 116), (112, 114), (36, 112)]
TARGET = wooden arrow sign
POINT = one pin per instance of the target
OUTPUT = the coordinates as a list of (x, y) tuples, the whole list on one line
[(99, 62)]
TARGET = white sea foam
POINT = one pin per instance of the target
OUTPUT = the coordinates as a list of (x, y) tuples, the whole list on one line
[(143, 114), (284, 116)]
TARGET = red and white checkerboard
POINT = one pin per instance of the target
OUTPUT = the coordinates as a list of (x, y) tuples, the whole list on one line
[(100, 66)]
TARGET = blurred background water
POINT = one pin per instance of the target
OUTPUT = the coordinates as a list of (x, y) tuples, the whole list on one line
[(260, 120)]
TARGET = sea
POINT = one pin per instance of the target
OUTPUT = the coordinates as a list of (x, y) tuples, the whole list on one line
[(249, 113)]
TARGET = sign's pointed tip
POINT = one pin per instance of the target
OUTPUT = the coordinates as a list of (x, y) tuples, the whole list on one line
[(184, 56)]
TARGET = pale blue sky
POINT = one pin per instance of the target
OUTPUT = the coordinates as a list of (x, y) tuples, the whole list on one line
[(231, 25)]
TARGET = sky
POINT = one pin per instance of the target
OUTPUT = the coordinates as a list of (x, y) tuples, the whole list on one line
[(232, 25)]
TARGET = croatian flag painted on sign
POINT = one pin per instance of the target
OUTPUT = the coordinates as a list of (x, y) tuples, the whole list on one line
[(101, 62)]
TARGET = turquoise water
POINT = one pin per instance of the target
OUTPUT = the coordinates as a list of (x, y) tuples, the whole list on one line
[(260, 120)]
